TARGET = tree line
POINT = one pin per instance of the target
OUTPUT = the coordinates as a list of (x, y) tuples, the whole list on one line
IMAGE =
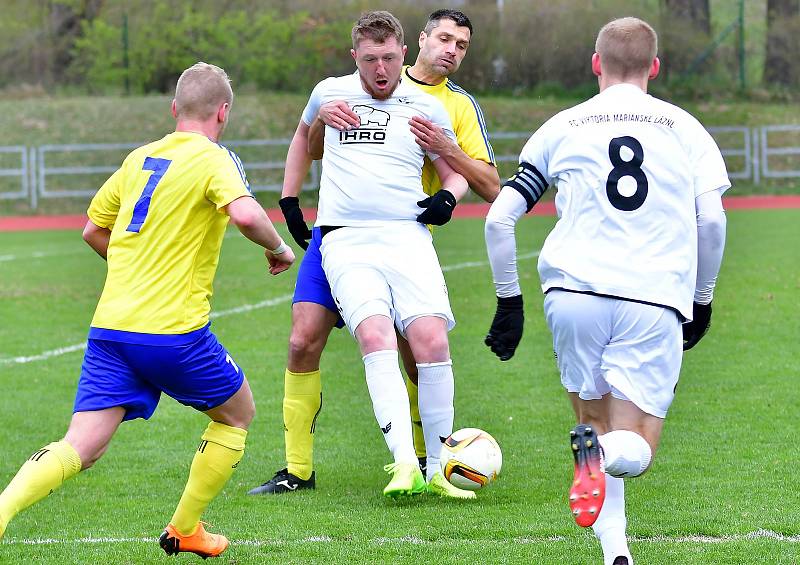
[(141, 46)]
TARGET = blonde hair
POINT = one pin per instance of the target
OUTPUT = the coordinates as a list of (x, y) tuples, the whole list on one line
[(377, 26), (200, 91), (627, 47)]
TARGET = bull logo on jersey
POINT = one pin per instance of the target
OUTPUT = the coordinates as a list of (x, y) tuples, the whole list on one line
[(370, 115), (374, 123)]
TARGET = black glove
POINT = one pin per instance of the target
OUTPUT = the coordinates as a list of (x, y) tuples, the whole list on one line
[(701, 320), (290, 206), (438, 208), (506, 331)]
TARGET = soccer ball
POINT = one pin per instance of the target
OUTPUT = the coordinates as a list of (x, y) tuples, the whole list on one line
[(471, 458)]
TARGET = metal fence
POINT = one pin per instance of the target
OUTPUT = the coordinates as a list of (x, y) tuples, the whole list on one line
[(30, 173)]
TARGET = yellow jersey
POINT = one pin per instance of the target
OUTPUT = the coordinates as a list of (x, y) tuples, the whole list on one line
[(163, 207), (468, 125)]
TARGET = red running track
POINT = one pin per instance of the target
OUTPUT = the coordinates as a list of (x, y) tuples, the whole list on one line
[(34, 223)]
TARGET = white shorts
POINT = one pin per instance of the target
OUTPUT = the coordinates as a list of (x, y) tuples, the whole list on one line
[(392, 270), (607, 345)]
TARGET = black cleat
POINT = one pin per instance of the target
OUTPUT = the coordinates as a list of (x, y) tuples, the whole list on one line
[(621, 560), (282, 482)]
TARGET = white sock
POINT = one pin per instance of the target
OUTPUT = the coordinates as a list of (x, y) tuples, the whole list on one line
[(611, 523), (436, 389), (387, 389), (625, 453)]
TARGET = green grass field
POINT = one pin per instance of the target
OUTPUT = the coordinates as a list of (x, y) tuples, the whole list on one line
[(721, 490)]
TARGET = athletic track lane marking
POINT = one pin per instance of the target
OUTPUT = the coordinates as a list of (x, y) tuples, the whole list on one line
[(466, 210)]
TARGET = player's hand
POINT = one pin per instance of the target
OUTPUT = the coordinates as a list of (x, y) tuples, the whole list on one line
[(695, 330), (279, 262), (506, 331), (430, 137), (290, 206), (338, 115), (438, 208)]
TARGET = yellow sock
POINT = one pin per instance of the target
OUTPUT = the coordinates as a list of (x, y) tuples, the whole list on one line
[(302, 402), (419, 437), (216, 458), (41, 474)]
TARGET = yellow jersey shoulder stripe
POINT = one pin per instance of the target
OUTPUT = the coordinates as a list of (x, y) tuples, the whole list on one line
[(478, 112)]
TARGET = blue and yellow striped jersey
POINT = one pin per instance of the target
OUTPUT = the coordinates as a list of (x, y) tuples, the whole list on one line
[(468, 125), (163, 207)]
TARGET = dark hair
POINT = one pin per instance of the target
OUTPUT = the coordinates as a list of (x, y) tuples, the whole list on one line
[(460, 18), (377, 26)]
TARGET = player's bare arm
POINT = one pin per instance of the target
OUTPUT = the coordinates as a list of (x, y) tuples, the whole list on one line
[(97, 238), (454, 182), (481, 176), (298, 162), (251, 219), (316, 139)]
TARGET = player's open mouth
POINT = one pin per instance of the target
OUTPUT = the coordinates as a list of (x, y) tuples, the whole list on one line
[(382, 82)]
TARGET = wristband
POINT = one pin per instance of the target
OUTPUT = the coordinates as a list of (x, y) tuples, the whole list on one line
[(282, 248)]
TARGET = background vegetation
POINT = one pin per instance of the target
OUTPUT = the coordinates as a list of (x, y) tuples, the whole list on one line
[(102, 71), (140, 46)]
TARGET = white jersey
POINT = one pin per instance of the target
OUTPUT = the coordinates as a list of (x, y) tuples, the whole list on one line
[(372, 174), (627, 167)]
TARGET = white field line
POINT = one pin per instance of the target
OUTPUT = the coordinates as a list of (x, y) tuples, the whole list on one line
[(693, 539), (220, 313), (36, 255), (81, 346), (43, 254)]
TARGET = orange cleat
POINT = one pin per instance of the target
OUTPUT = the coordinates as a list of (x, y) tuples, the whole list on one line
[(200, 542), (588, 491)]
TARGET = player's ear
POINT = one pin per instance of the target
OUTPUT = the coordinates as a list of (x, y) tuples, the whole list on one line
[(353, 54), (654, 68), (174, 109), (422, 37), (405, 48), (222, 113), (596, 64)]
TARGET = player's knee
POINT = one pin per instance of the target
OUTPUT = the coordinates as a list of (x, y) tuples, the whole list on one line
[(434, 348), (436, 351), (305, 344), (244, 416), (625, 453), (374, 341), (374, 337)]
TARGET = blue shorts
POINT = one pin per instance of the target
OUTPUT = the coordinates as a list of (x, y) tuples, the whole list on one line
[(200, 373), (312, 284)]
